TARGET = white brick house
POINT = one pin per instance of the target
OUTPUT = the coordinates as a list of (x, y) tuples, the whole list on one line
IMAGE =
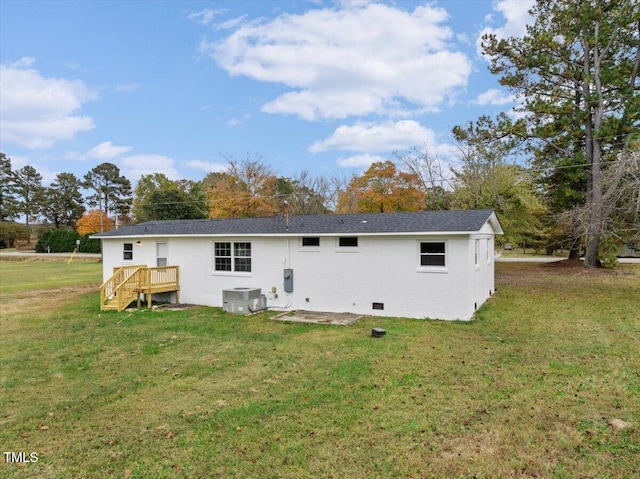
[(435, 264)]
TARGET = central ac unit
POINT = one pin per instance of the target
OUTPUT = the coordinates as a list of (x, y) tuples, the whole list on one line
[(243, 300)]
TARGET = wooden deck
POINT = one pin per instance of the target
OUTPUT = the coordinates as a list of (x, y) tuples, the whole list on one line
[(129, 283)]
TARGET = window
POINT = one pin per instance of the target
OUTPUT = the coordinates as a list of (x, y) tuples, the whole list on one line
[(432, 254), (348, 242), (161, 254), (477, 259), (488, 249), (127, 252), (222, 254), (311, 241), (232, 257), (242, 257)]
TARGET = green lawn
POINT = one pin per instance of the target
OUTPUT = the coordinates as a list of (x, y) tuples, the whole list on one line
[(19, 275), (527, 390)]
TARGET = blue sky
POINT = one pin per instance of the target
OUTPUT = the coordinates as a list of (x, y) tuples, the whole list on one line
[(178, 86)]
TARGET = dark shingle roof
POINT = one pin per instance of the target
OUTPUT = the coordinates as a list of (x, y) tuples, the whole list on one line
[(364, 223)]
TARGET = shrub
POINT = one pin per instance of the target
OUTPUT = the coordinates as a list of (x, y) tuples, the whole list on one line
[(56, 241), (90, 245), (10, 232), (64, 241)]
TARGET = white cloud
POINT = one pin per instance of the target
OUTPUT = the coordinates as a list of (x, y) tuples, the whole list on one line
[(137, 165), (24, 62), (376, 137), (206, 16), (494, 96), (48, 176), (352, 3), (351, 61), (359, 161), (516, 16), (237, 121), (36, 112), (233, 23), (207, 166), (19, 161), (41, 165), (103, 152)]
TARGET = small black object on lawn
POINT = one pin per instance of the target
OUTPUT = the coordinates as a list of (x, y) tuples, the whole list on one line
[(378, 332)]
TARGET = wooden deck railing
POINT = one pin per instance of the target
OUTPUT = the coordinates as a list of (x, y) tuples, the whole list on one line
[(128, 282)]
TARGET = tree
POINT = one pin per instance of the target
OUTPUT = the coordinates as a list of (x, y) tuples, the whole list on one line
[(173, 204), (157, 197), (11, 232), (434, 183), (145, 186), (576, 74), (247, 188), (91, 222), (111, 190), (626, 176), (63, 204), (8, 203), (485, 179), (28, 188), (621, 182), (382, 188), (306, 195)]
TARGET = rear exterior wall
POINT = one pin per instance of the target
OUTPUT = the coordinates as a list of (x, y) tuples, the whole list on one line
[(384, 270)]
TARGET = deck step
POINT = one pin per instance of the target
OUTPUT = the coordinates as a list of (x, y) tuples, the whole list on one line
[(127, 283)]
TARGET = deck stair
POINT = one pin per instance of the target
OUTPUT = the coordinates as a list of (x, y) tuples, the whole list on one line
[(129, 283)]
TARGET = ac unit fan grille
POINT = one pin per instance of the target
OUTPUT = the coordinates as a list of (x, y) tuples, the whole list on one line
[(242, 294)]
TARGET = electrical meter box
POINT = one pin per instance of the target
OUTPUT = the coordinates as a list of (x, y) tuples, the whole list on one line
[(288, 280)]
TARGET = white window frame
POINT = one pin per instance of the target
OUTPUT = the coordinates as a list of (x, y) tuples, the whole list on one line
[(432, 268), (477, 253), (307, 248), (347, 249), (488, 250), (233, 248), (126, 250), (159, 258)]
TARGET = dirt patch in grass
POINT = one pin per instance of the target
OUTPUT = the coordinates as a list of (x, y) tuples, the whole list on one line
[(317, 317), (171, 307), (577, 266), (43, 299)]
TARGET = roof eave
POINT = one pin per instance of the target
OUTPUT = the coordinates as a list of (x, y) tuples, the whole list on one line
[(287, 235), (495, 224)]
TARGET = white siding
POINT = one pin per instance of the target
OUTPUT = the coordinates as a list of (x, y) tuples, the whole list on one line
[(382, 269)]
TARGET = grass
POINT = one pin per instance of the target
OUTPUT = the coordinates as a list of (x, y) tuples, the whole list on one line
[(20, 274), (527, 390)]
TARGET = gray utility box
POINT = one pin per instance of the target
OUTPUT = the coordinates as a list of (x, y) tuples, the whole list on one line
[(243, 300), (288, 280)]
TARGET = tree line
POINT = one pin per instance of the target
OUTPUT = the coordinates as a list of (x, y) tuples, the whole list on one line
[(563, 173), (249, 187)]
